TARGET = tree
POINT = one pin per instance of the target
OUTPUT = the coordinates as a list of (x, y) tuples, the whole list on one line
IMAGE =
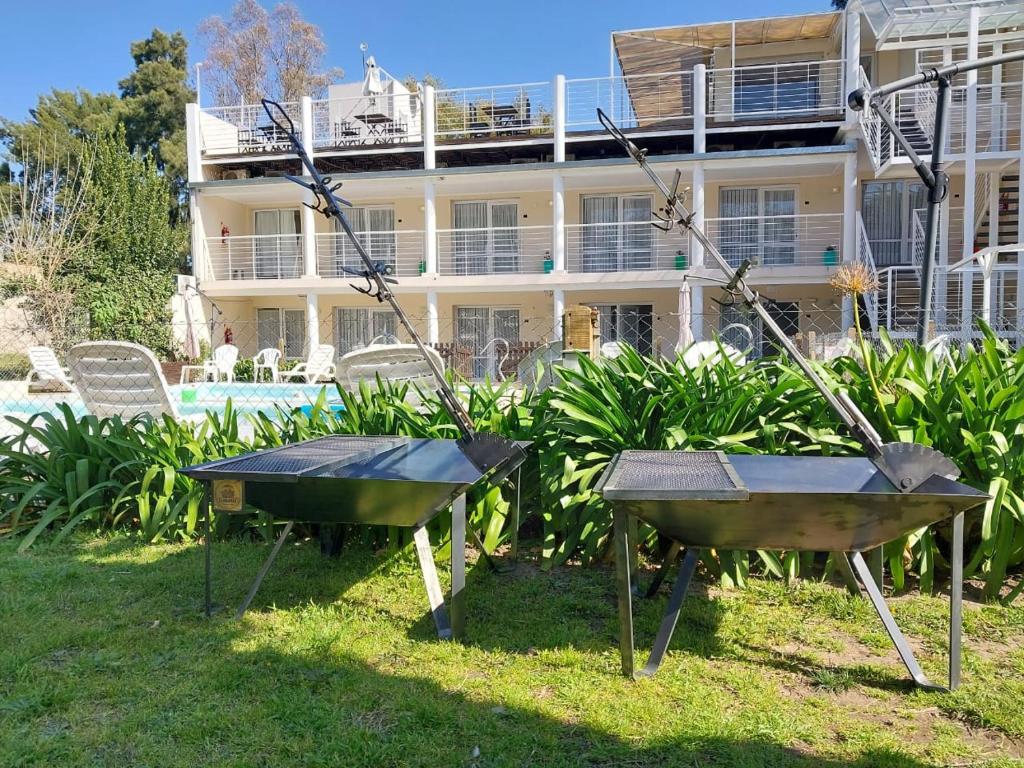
[(255, 54), (134, 250), (154, 97)]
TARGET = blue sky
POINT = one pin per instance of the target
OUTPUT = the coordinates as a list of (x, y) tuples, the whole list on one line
[(68, 44)]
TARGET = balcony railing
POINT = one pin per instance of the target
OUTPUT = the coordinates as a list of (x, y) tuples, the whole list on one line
[(635, 101), (244, 129), (367, 121), (779, 241), (254, 257), (402, 250), (521, 109), (494, 250), (623, 247), (776, 91)]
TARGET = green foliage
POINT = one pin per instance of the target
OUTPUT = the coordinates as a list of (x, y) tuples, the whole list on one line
[(134, 249), (13, 365), (966, 406)]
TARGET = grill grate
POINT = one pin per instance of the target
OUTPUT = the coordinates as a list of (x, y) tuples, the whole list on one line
[(305, 457), (673, 474)]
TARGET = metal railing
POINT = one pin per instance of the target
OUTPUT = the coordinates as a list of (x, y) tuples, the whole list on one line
[(871, 126), (254, 257), (633, 101), (245, 129), (494, 250), (497, 110), (865, 257), (770, 91), (364, 121), (779, 241), (402, 250), (624, 247)]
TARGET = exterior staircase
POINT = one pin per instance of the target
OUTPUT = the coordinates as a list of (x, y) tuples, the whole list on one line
[(1009, 214)]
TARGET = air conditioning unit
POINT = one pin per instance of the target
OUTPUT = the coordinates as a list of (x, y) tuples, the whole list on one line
[(235, 173), (788, 144)]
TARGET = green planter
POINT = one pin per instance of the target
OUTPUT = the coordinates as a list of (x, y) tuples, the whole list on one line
[(830, 258), (423, 267), (549, 265), (681, 262)]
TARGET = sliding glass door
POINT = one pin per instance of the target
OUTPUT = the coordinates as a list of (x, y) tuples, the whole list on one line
[(477, 328), (375, 229), (486, 237), (887, 208), (277, 249), (616, 233), (759, 224)]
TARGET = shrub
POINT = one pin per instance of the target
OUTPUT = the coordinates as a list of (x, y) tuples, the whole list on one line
[(13, 365)]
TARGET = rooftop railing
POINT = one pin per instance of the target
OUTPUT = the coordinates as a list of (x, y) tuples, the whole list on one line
[(367, 121), (245, 129), (519, 109), (634, 101), (776, 91)]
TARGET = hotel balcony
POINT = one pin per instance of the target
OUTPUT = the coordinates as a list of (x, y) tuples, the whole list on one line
[(524, 255)]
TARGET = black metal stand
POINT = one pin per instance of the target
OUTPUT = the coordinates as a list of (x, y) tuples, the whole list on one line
[(848, 565), (452, 627)]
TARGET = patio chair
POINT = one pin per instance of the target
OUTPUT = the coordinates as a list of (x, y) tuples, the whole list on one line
[(117, 378), (319, 365), (46, 369), (222, 364), (392, 362), (267, 360)]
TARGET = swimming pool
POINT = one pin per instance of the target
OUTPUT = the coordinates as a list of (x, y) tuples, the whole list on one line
[(194, 399)]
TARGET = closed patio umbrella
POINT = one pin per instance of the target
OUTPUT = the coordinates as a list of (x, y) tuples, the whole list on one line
[(685, 312), (372, 85)]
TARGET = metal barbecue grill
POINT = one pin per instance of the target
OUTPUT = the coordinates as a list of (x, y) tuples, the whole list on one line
[(395, 481), (704, 499)]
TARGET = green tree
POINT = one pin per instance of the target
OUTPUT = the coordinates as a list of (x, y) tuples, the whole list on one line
[(134, 249), (154, 98)]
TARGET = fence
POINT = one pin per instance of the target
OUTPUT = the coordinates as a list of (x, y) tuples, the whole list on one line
[(274, 358)]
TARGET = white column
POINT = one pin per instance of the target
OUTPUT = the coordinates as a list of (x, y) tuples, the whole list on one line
[(429, 228), (559, 105), (429, 125), (558, 222), (696, 249), (312, 323), (849, 244), (970, 165), (851, 53), (194, 142), (433, 327), (308, 217), (697, 311), (200, 258), (700, 81), (558, 309)]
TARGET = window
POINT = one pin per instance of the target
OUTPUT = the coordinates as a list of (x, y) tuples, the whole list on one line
[(887, 208), (355, 328), (486, 237), (616, 233), (375, 229), (756, 343), (627, 323), (476, 329), (282, 328), (790, 88), (757, 224), (277, 247)]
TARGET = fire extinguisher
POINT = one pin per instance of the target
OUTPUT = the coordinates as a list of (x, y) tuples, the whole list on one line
[(228, 336)]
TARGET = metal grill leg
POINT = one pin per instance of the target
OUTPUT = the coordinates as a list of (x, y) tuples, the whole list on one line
[(624, 590), (956, 601), (208, 566), (902, 647), (458, 546), (667, 562), (668, 621), (513, 550), (434, 594), (263, 569)]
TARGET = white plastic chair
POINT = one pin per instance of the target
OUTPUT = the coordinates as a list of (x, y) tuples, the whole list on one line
[(611, 349), (267, 360), (700, 351), (117, 378), (222, 364), (319, 365), (46, 367), (392, 362)]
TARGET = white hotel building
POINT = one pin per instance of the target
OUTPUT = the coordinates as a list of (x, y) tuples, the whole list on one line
[(499, 205)]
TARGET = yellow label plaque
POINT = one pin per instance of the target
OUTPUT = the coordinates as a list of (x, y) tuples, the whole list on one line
[(228, 495)]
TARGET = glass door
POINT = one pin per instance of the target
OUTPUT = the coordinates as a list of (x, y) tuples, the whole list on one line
[(888, 209), (737, 209), (375, 230), (282, 327), (627, 323), (477, 328), (616, 233), (486, 237), (778, 234), (277, 248), (758, 224)]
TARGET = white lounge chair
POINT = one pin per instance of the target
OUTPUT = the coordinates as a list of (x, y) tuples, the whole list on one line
[(222, 364), (117, 378), (267, 360), (319, 365), (700, 351), (392, 362), (46, 369)]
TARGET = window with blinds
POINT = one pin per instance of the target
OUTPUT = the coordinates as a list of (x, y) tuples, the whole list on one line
[(374, 226), (757, 223), (486, 237)]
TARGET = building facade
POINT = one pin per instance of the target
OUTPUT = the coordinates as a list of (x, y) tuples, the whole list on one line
[(497, 206)]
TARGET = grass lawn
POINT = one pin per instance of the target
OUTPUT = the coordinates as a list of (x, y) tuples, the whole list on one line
[(107, 661)]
